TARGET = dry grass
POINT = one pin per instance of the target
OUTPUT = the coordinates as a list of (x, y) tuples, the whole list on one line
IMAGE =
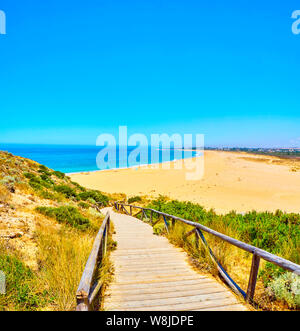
[(63, 253), (62, 256), (5, 195)]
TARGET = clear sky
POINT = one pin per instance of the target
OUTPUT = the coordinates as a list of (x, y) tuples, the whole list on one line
[(71, 70)]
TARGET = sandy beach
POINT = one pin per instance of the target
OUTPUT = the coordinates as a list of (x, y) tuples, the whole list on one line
[(231, 181)]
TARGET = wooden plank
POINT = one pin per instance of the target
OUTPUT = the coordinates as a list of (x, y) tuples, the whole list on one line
[(161, 284), (118, 290), (166, 295), (179, 301), (185, 306)]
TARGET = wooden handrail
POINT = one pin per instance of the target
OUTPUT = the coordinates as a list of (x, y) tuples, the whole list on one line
[(257, 252), (87, 291)]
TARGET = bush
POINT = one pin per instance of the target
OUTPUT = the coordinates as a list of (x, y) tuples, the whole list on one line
[(50, 196), (29, 175), (45, 172), (134, 199), (43, 168), (67, 191), (19, 291), (47, 179), (38, 183), (83, 205), (9, 182), (59, 174), (287, 288), (81, 188), (97, 196), (66, 214)]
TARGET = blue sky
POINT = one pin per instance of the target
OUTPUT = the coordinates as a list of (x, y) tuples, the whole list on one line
[(71, 70)]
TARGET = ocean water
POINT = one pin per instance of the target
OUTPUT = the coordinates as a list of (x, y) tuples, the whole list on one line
[(71, 158)]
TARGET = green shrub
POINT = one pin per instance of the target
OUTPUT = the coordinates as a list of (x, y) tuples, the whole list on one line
[(97, 196), (19, 280), (80, 188), (134, 199), (38, 183), (67, 191), (287, 288), (59, 174), (47, 179), (66, 214), (83, 205), (45, 172), (29, 175), (9, 182), (43, 168), (50, 196)]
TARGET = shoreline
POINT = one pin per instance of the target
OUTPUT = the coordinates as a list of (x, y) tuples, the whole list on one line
[(232, 181), (130, 167)]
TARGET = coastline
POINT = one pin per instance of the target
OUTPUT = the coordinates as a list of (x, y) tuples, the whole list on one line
[(232, 181), (135, 166)]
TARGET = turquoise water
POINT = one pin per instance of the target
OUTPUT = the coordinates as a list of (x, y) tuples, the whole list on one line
[(71, 158)]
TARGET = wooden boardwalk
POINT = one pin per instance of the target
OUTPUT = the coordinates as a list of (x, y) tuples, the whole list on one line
[(153, 275)]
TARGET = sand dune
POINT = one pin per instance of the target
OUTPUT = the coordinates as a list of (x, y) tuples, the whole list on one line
[(232, 181)]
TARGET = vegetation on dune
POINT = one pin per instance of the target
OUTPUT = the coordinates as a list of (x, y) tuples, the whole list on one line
[(65, 224), (277, 233), (22, 292), (97, 196), (135, 199), (66, 214)]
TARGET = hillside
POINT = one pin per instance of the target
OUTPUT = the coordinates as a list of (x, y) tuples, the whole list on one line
[(47, 226)]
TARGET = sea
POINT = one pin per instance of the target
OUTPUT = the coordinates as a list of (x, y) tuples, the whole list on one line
[(78, 158)]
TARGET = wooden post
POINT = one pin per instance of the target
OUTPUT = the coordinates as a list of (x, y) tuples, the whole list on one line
[(151, 216), (253, 277), (197, 239), (82, 302), (131, 210), (142, 217), (173, 223)]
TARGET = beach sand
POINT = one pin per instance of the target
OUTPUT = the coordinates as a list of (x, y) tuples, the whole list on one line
[(231, 181)]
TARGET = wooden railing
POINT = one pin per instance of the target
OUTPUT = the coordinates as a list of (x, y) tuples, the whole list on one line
[(197, 231), (87, 290)]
